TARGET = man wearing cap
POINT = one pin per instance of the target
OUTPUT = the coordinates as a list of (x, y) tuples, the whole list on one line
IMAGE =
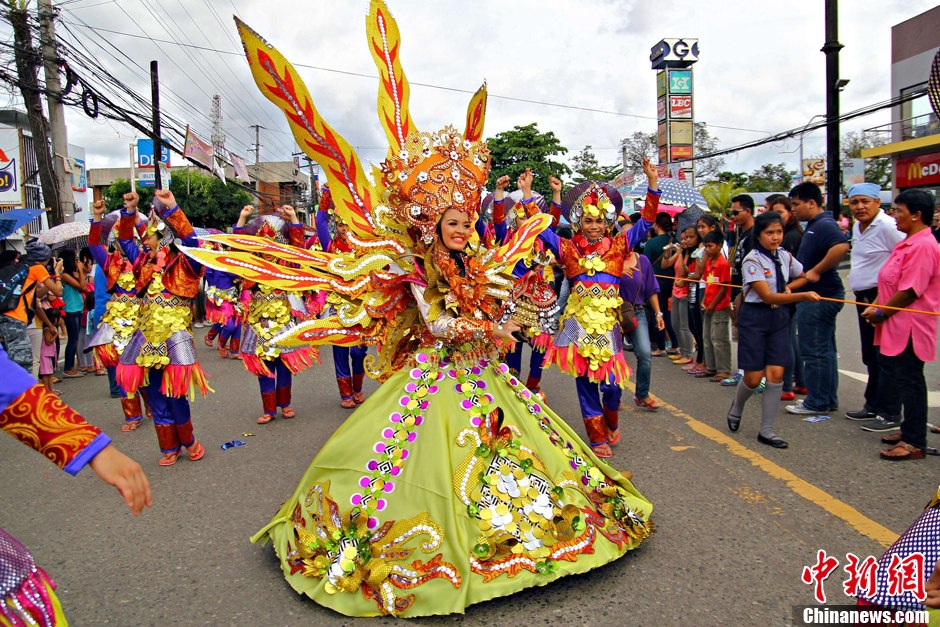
[(874, 236)]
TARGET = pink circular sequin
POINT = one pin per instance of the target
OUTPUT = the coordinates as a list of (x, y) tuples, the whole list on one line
[(404, 454), (379, 446), (412, 436), (411, 388), (388, 433), (372, 465), (395, 417), (365, 482), (415, 373), (356, 499), (373, 523), (380, 504), (476, 421), (389, 486), (504, 368), (395, 470), (466, 404), (421, 358)]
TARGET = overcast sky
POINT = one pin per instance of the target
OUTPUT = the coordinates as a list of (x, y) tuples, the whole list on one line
[(760, 67)]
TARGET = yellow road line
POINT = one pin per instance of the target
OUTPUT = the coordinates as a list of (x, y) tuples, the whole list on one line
[(851, 516)]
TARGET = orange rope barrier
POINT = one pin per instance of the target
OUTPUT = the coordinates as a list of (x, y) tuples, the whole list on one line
[(834, 300)]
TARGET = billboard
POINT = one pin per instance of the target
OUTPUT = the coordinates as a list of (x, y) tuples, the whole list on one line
[(680, 132), (145, 153), (11, 192), (678, 153), (680, 107), (680, 81), (661, 108), (661, 139), (918, 171), (814, 171), (853, 172), (663, 154), (660, 83)]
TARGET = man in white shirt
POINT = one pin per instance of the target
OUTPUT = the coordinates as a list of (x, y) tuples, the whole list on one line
[(874, 236)]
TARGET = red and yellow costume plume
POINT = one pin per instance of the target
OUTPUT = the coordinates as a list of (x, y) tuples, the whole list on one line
[(420, 504)]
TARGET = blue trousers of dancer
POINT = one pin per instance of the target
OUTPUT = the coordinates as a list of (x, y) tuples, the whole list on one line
[(600, 407), (276, 390), (171, 416), (349, 379), (231, 329), (514, 361)]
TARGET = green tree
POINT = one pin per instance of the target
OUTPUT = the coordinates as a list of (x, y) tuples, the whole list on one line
[(738, 178), (718, 195), (586, 168), (877, 170), (770, 178), (113, 194), (205, 200), (521, 147)]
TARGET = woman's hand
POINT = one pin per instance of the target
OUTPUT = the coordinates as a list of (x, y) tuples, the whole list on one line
[(811, 297), (660, 323), (130, 202), (502, 183), (244, 215), (58, 265), (287, 213), (525, 183), (652, 174), (114, 467), (98, 210), (504, 331)]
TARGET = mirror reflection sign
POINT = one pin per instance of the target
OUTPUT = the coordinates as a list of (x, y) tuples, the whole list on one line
[(661, 108), (680, 81)]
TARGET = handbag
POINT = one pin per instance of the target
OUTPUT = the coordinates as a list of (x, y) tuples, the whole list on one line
[(628, 321)]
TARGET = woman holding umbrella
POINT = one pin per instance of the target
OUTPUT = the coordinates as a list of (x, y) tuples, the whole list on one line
[(589, 343)]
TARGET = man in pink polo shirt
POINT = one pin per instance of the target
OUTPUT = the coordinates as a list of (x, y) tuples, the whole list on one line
[(910, 279)]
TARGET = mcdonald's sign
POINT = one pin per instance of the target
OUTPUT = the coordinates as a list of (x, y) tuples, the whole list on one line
[(918, 171)]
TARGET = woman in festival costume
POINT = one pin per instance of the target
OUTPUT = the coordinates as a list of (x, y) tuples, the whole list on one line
[(506, 218), (223, 309), (161, 356), (589, 344), (347, 360), (39, 419), (269, 311), (122, 313), (452, 484)]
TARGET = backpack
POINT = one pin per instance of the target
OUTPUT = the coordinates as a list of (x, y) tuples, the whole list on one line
[(12, 278)]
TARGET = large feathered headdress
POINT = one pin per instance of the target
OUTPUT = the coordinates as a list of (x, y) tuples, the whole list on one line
[(423, 174)]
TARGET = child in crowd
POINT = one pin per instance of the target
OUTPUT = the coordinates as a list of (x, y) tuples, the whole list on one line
[(769, 273), (717, 302), (49, 352), (681, 259)]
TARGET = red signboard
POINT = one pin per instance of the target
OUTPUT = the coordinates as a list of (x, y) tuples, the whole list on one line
[(663, 154), (678, 153), (680, 107), (918, 171)]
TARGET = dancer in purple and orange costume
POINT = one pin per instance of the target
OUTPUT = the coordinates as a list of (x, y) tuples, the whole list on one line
[(269, 311), (589, 343), (223, 309), (121, 315), (161, 356), (348, 361)]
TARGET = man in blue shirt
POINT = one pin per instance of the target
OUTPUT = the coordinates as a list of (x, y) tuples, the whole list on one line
[(822, 249)]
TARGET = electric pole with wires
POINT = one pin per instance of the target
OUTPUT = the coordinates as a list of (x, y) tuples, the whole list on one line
[(59, 136)]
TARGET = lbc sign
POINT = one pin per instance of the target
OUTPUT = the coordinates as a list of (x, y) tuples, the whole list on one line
[(145, 153), (676, 53), (680, 107)]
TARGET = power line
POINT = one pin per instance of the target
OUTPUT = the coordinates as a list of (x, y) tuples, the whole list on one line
[(433, 86)]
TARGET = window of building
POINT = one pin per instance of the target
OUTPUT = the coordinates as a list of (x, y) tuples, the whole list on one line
[(917, 116)]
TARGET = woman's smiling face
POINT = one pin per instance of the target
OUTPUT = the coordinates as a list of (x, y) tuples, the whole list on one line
[(455, 229)]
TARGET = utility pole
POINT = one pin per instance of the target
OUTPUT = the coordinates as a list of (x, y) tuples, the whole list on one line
[(155, 107), (60, 143), (257, 128), (831, 48), (27, 60)]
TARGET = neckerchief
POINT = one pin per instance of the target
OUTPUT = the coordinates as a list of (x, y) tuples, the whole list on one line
[(775, 257)]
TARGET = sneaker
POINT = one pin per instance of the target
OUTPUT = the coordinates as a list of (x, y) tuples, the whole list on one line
[(787, 396), (861, 414), (732, 380), (199, 325), (802, 410), (881, 425), (802, 390)]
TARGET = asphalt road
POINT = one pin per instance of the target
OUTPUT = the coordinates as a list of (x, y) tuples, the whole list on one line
[(737, 521)]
